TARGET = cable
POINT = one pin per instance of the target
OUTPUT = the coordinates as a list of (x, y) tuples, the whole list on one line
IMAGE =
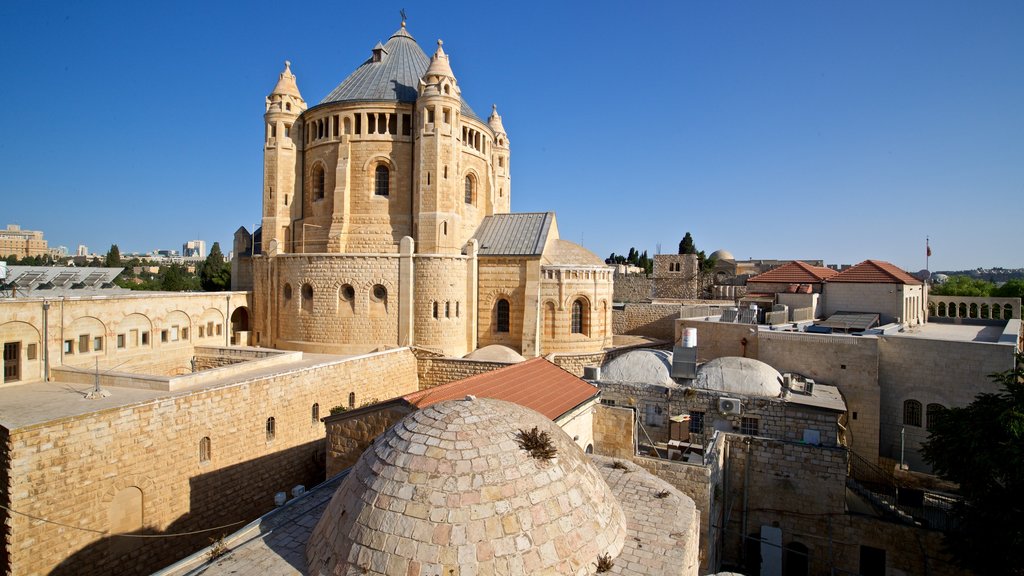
[(108, 533)]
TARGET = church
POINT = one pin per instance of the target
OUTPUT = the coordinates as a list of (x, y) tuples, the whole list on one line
[(387, 222)]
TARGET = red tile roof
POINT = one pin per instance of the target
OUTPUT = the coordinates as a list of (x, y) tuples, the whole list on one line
[(795, 272), (535, 384), (874, 272)]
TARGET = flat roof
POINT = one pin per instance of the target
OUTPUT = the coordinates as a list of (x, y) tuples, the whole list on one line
[(23, 405), (953, 332), (822, 396)]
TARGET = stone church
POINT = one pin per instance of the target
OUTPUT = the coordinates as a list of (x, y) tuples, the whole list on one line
[(387, 222)]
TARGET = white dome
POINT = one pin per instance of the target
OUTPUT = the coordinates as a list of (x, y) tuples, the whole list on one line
[(640, 367), (741, 376), (722, 255), (495, 353)]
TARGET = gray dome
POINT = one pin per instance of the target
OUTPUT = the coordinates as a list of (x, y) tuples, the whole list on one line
[(722, 255), (640, 367), (495, 353), (741, 376), (449, 489)]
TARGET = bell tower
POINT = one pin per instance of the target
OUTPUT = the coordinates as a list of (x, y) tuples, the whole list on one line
[(437, 205), (282, 162), (501, 200)]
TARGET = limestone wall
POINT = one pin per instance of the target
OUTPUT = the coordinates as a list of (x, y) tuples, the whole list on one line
[(890, 301), (502, 279), (718, 339), (560, 287), (441, 287), (633, 288), (436, 371), (138, 331), (646, 319), (139, 467), (613, 432), (350, 433), (574, 363)]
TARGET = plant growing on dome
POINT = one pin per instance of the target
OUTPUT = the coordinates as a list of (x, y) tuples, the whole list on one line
[(604, 563), (537, 443)]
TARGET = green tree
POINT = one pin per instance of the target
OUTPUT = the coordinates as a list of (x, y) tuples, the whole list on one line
[(113, 257), (1010, 289), (981, 447), (963, 286), (215, 273), (686, 245), (176, 279)]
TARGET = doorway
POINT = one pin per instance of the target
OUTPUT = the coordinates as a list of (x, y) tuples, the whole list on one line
[(12, 361)]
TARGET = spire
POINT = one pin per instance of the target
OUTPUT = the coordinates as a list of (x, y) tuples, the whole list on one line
[(286, 83), (495, 120), (439, 64)]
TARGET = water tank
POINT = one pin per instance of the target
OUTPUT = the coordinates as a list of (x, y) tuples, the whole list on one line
[(591, 372), (689, 338)]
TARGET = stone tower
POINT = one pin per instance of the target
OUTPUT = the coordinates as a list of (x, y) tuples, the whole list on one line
[(438, 203), (501, 197), (282, 162)]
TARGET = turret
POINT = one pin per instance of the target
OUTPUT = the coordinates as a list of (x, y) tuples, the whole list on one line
[(282, 160), (440, 188), (500, 157)]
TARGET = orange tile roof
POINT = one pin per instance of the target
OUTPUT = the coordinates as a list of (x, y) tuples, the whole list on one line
[(795, 272), (535, 384), (874, 272)]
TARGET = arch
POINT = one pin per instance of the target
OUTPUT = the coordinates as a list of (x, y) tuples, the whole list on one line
[(125, 512), (382, 180), (314, 413), (911, 413), (175, 328), (940, 310), (470, 189), (1007, 311), (346, 300), (307, 297), (351, 399), (210, 323), (204, 449), (287, 291), (932, 412), (502, 315), (84, 331), (378, 300), (240, 319), (318, 181), (983, 311), (962, 312), (271, 428), (972, 310), (549, 319), (580, 316)]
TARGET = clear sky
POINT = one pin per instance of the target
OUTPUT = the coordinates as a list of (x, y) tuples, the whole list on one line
[(829, 130)]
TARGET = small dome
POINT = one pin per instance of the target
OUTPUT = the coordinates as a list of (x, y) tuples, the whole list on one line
[(495, 353), (439, 64), (640, 367), (495, 120), (722, 255), (286, 83), (742, 376), (565, 253), (448, 489)]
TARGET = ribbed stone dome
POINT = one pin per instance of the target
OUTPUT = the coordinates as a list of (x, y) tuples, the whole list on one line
[(448, 490)]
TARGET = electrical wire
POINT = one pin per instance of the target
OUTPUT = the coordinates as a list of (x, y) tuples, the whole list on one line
[(108, 533)]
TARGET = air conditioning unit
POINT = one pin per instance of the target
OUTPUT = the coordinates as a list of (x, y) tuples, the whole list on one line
[(729, 405), (591, 372)]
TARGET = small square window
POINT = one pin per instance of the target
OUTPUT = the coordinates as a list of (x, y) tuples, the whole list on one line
[(30, 351), (184, 333), (218, 329), (120, 340), (174, 333), (83, 343), (145, 338), (164, 335), (97, 344), (202, 331), (69, 346), (749, 426), (696, 422)]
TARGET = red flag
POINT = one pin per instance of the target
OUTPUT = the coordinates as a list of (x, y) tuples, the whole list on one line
[(928, 249)]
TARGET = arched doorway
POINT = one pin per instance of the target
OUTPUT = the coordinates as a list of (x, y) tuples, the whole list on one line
[(795, 558), (240, 326)]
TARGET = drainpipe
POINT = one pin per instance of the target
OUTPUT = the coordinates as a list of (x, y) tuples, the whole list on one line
[(227, 323), (46, 341), (746, 483)]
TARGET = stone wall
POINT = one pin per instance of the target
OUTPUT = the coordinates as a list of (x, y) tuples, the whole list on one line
[(613, 432), (718, 339), (138, 467), (574, 363), (436, 371), (349, 433), (646, 319), (633, 288)]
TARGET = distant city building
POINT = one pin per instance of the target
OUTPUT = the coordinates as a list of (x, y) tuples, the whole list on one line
[(22, 243), (59, 252), (83, 250), (194, 248)]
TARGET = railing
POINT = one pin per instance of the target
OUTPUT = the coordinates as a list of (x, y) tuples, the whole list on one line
[(984, 308), (883, 490)]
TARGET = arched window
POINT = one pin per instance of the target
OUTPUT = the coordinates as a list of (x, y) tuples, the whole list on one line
[(307, 297), (318, 182), (382, 181), (435, 309), (580, 316), (315, 413), (271, 428), (204, 449), (287, 291), (912, 413), (351, 399), (501, 313), (469, 189), (931, 413)]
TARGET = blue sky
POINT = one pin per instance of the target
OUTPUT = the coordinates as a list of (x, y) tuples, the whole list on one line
[(819, 129)]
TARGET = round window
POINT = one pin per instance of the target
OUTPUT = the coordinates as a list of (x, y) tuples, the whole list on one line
[(347, 292), (380, 292)]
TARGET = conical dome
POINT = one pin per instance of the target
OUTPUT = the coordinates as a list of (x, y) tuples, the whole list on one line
[(450, 490), (439, 65), (495, 120), (286, 83)]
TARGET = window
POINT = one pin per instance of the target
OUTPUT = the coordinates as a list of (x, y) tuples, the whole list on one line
[(175, 332), (501, 310), (607, 402), (379, 293), (204, 449), (202, 331), (447, 309), (209, 328), (271, 428), (469, 189), (912, 413), (218, 329), (382, 181), (120, 340), (435, 310), (83, 343), (749, 426), (287, 291), (307, 297), (184, 333), (348, 293), (932, 412), (69, 346), (579, 316), (318, 182), (456, 308), (164, 335), (145, 338), (696, 422), (315, 413), (351, 399)]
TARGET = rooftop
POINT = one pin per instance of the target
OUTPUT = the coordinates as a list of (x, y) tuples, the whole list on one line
[(520, 234), (875, 272), (795, 272)]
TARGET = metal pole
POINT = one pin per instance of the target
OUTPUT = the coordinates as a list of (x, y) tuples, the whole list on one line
[(46, 341), (903, 433)]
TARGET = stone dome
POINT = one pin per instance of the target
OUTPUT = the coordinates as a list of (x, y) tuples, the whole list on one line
[(640, 367), (741, 376), (495, 353), (722, 255), (449, 490), (565, 253)]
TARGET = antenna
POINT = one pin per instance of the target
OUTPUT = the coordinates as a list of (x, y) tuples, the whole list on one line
[(97, 392)]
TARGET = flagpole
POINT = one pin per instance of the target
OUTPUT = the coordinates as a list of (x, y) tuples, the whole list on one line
[(927, 254)]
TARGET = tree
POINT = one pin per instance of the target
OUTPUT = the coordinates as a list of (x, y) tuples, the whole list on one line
[(113, 257), (215, 273), (686, 245), (177, 279), (981, 447), (1010, 289), (963, 286)]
